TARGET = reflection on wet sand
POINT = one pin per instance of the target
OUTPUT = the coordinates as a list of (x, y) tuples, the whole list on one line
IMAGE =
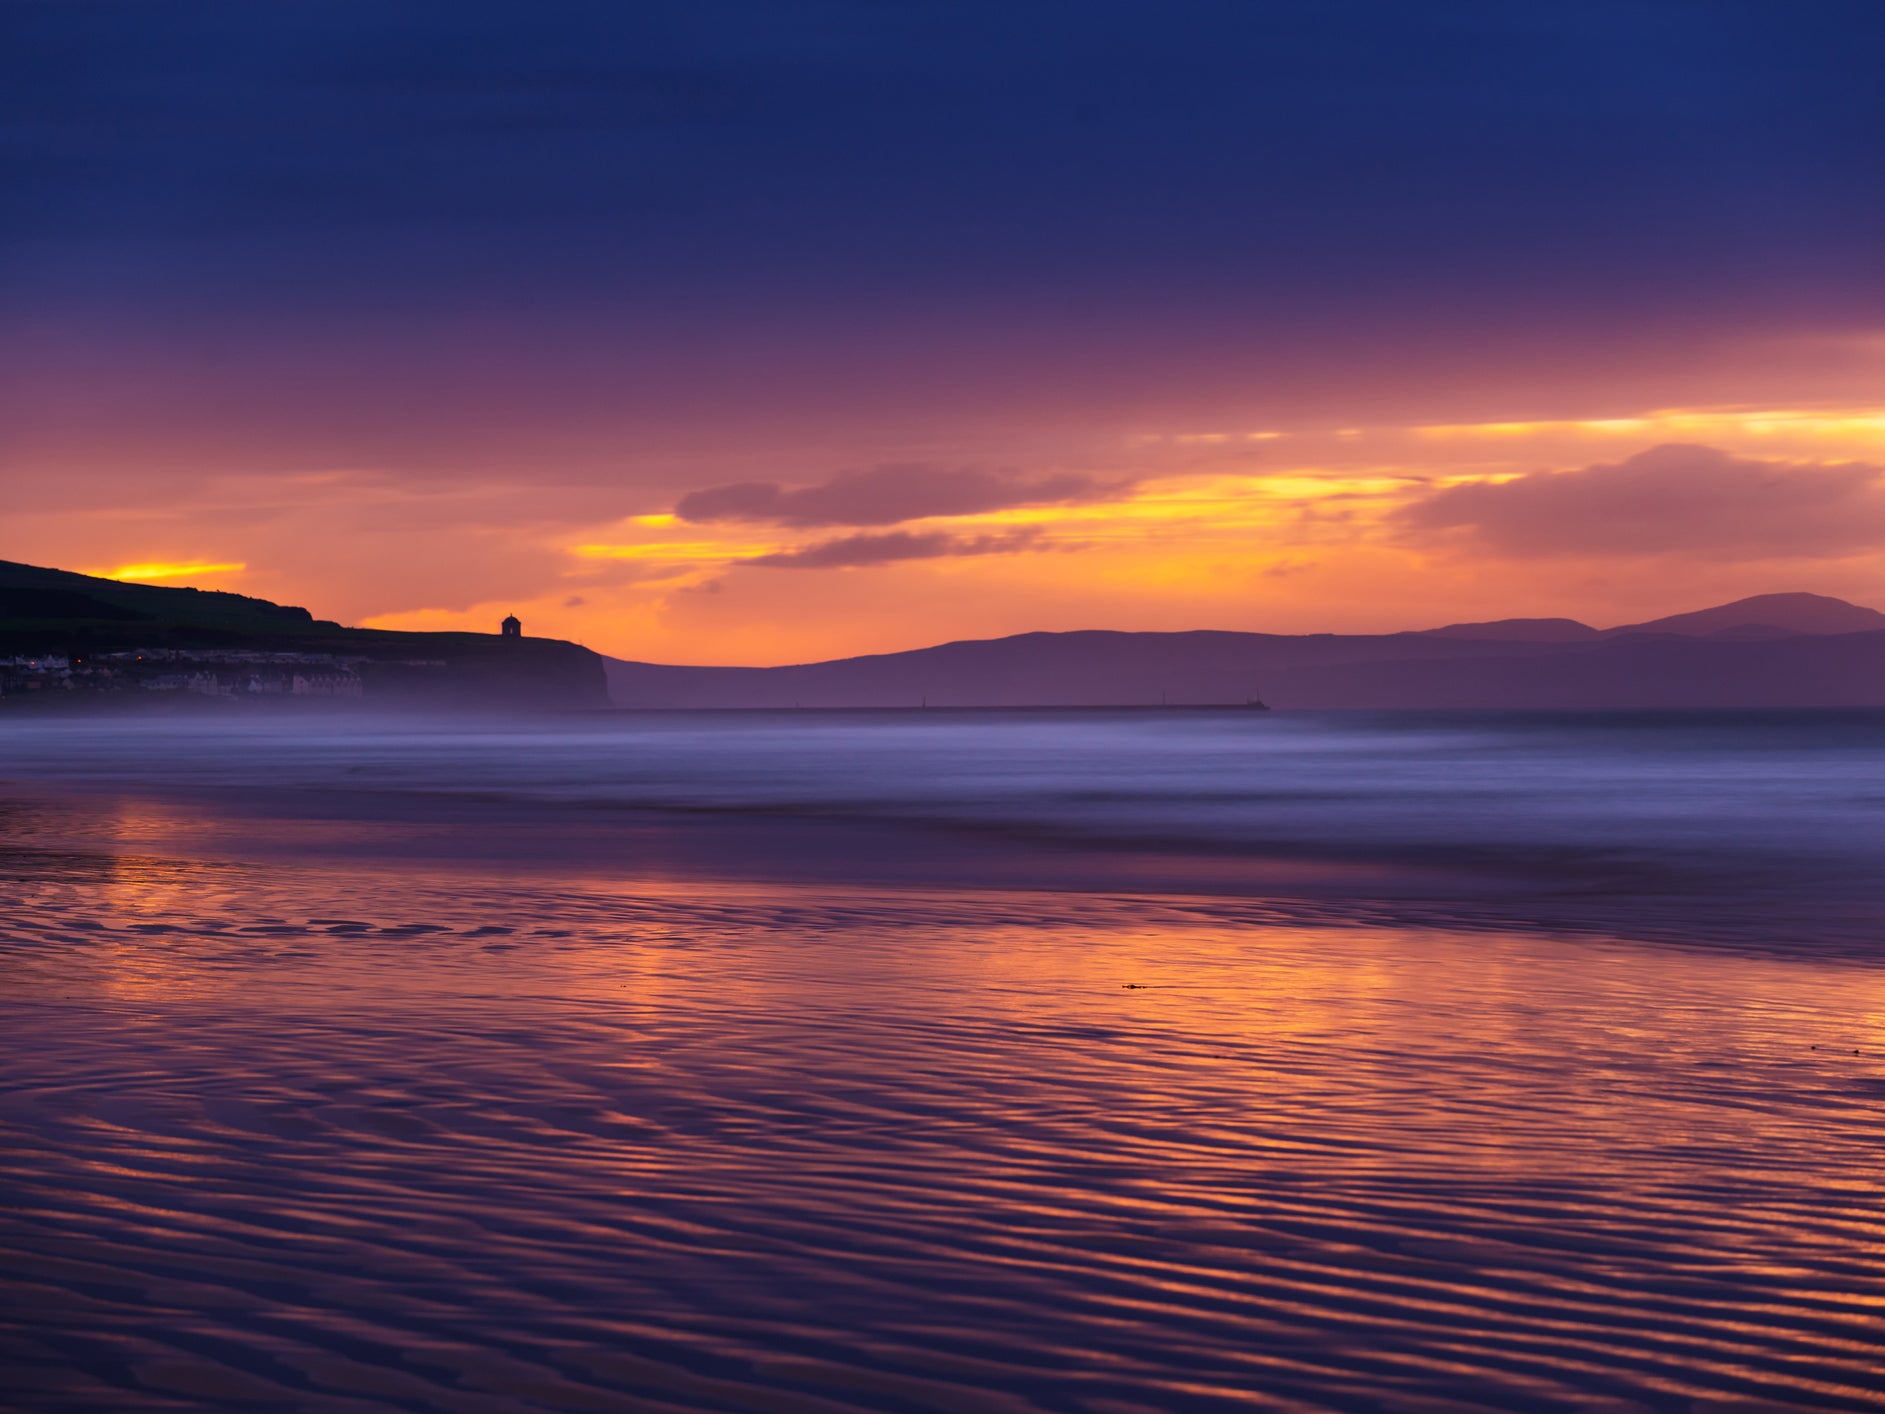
[(299, 1132)]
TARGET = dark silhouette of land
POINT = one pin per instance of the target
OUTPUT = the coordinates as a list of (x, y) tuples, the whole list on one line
[(1773, 650), (68, 637)]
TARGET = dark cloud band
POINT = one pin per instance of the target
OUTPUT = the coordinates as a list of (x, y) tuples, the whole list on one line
[(856, 551), (888, 495)]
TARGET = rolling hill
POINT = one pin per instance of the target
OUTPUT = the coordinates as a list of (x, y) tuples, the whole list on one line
[(1787, 650)]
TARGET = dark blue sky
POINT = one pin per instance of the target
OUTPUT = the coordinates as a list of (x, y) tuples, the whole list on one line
[(1259, 159)]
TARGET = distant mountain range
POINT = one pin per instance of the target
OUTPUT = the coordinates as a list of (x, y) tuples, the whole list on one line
[(1763, 616), (1773, 650), (228, 644)]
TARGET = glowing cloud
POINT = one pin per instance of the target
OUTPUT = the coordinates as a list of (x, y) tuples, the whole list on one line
[(1677, 497), (1838, 424), (887, 495), (168, 571), (854, 551)]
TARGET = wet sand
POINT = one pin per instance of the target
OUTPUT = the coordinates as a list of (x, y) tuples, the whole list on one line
[(494, 1108)]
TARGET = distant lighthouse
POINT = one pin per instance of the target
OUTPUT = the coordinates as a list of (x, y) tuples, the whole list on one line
[(512, 627)]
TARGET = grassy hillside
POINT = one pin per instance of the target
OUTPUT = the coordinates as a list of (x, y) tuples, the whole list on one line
[(48, 610)]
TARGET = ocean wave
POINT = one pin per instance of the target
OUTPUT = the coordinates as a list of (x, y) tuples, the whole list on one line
[(1794, 791)]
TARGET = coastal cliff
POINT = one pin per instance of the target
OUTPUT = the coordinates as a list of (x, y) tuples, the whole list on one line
[(68, 637)]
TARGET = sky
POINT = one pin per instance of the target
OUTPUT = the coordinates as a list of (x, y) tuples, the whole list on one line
[(726, 332)]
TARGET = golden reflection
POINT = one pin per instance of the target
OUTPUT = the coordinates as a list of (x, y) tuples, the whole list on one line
[(1507, 1053), (138, 894)]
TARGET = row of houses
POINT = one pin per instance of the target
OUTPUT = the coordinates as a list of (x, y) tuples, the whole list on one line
[(225, 675), (208, 684), (254, 657)]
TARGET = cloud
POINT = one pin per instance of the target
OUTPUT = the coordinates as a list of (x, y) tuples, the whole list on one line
[(852, 551), (1674, 498), (886, 495)]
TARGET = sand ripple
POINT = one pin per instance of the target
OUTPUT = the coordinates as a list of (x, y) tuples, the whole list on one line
[(310, 1138)]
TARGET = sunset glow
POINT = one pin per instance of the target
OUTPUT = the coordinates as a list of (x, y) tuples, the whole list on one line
[(164, 571), (1137, 705), (1027, 377)]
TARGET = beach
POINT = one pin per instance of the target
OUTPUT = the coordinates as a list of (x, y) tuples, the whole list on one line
[(957, 1061)]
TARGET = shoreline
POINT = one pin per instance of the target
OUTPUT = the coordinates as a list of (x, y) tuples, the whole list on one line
[(468, 834)]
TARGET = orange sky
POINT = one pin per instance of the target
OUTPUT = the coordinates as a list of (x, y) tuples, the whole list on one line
[(764, 334), (1279, 528)]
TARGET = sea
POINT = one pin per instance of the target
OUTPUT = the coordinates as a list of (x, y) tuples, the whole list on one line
[(1108, 1061)]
